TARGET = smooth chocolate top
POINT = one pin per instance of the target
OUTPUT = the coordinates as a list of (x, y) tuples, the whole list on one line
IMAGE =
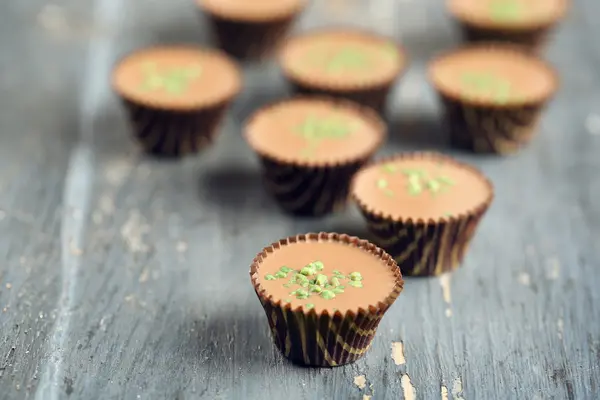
[(494, 75), (508, 13), (342, 59), (177, 77), (362, 279), (421, 187), (314, 131), (252, 10)]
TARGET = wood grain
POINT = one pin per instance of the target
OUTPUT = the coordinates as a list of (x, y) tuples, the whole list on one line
[(127, 278)]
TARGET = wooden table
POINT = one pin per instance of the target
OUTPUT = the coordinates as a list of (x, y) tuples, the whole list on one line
[(127, 278)]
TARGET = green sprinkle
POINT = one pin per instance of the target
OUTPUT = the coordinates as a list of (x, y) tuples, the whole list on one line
[(285, 269), (318, 265), (336, 272), (270, 277), (315, 288), (335, 282), (321, 280), (357, 284), (413, 172), (505, 10), (341, 287), (327, 294), (308, 270), (447, 214), (301, 294), (300, 279), (309, 306), (434, 186), (288, 300), (414, 189), (315, 129), (287, 285), (174, 81), (391, 168), (356, 276), (445, 180), (337, 290), (382, 183), (280, 274), (335, 309)]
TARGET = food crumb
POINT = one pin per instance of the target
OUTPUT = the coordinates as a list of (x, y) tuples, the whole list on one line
[(457, 389), (360, 381), (9, 286), (398, 353), (444, 393), (407, 388)]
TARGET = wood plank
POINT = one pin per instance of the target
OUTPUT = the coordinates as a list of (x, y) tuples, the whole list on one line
[(146, 293)]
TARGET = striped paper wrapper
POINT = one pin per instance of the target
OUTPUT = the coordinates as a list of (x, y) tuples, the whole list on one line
[(310, 338), (170, 133)]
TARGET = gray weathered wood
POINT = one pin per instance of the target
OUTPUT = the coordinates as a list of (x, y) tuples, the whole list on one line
[(115, 265)]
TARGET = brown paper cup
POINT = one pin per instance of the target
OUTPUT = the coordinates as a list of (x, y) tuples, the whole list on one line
[(250, 38), (168, 133), (533, 40), (320, 339), (425, 248), (179, 128)]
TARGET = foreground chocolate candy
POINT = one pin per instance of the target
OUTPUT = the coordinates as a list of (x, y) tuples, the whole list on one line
[(324, 295)]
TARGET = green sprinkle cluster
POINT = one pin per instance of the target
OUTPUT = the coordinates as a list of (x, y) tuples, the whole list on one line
[(335, 61), (173, 81), (315, 129), (486, 84), (311, 280), (505, 10), (419, 181)]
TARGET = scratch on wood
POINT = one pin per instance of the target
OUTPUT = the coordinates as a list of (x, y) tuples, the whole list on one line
[(552, 269), (398, 353), (560, 325), (457, 389), (408, 389), (445, 283), (360, 381), (444, 392)]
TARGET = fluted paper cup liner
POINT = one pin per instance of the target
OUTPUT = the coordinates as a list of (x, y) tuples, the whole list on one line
[(323, 339)]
